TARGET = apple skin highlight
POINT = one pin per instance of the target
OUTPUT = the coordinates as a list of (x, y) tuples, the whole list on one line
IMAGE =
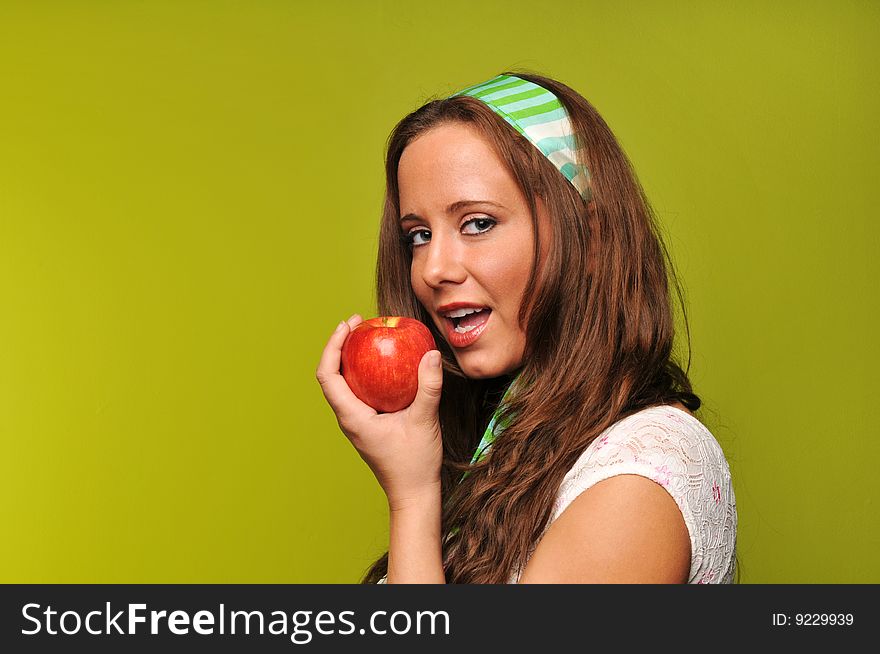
[(380, 361)]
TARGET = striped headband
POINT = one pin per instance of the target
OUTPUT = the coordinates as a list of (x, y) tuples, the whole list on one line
[(537, 114)]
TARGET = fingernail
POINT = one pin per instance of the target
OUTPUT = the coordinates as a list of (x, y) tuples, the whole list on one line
[(340, 326), (435, 359)]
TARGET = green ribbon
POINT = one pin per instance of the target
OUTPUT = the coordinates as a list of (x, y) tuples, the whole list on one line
[(495, 427), (497, 424)]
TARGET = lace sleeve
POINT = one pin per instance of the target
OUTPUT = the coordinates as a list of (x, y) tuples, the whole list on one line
[(674, 449)]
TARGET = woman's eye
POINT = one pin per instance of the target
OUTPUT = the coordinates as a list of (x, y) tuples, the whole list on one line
[(418, 237), (472, 227), (481, 225)]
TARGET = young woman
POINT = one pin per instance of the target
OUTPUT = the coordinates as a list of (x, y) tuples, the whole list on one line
[(552, 439)]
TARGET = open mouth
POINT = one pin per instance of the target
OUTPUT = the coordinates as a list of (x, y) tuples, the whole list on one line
[(466, 320)]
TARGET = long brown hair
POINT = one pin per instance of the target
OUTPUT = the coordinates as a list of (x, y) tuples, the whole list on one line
[(599, 336)]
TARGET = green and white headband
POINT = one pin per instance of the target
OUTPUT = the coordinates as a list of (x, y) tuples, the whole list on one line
[(537, 114)]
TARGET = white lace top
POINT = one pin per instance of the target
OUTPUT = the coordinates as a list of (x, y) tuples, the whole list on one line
[(674, 449)]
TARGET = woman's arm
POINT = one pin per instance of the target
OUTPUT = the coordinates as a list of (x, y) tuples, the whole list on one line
[(414, 550), (625, 529), (404, 449)]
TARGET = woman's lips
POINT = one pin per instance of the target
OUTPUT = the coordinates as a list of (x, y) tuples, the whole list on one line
[(460, 340)]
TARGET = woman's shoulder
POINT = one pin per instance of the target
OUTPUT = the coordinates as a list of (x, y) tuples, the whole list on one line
[(673, 448), (663, 429), (666, 443)]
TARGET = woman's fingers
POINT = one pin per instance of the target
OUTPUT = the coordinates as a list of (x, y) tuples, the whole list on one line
[(344, 403), (427, 401)]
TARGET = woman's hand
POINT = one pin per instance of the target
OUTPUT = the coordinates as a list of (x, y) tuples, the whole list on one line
[(404, 449)]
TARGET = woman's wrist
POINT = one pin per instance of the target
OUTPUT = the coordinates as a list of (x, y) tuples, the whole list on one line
[(421, 498), (415, 551)]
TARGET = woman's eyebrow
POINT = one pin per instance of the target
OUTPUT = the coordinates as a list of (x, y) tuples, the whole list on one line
[(455, 207)]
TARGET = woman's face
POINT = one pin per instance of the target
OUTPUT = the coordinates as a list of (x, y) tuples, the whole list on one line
[(472, 245)]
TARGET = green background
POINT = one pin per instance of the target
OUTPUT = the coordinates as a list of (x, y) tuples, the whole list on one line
[(189, 203)]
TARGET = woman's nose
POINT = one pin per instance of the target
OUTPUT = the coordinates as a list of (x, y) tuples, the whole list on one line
[(443, 262)]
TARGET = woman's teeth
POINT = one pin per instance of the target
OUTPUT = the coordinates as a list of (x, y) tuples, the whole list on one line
[(461, 313), (474, 318)]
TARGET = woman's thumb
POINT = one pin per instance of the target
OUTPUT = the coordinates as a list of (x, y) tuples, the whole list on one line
[(427, 401)]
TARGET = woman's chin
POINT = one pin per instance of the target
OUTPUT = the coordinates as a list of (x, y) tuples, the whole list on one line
[(485, 369)]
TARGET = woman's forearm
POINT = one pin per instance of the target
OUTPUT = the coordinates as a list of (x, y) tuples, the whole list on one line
[(414, 550)]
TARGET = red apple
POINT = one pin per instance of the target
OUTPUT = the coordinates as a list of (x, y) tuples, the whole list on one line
[(380, 361)]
